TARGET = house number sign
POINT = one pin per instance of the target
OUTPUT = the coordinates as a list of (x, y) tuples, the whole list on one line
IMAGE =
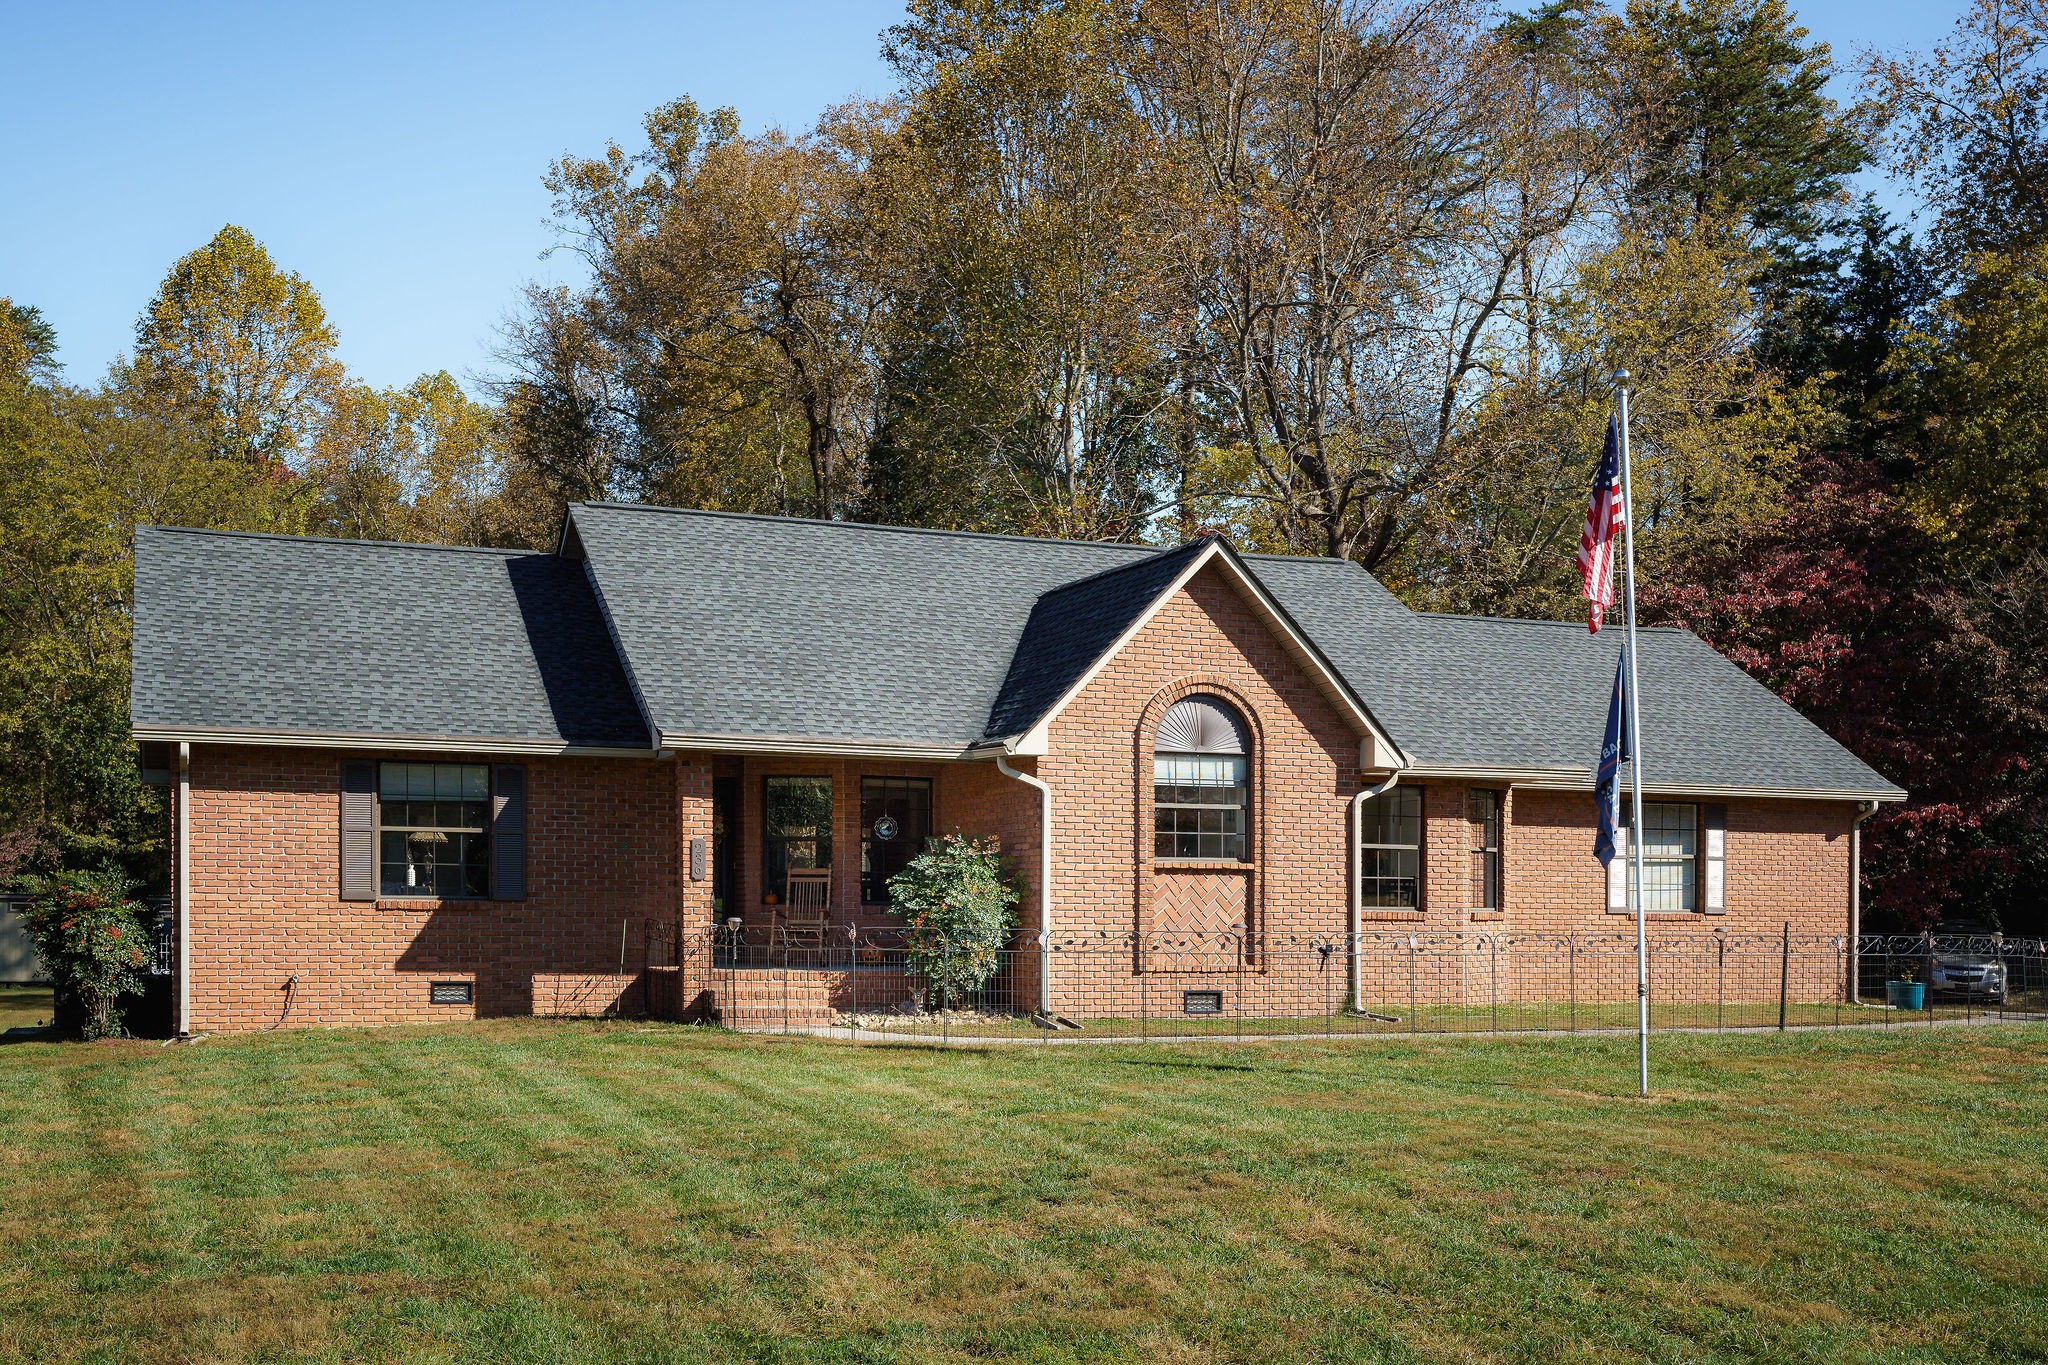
[(885, 827)]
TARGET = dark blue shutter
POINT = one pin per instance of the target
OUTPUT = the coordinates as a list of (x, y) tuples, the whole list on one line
[(358, 831), (508, 832)]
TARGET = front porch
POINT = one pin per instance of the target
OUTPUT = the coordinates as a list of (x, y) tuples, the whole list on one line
[(858, 820)]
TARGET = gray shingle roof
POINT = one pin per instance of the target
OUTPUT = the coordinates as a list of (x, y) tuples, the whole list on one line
[(766, 629), (1482, 692), (775, 627), (253, 632)]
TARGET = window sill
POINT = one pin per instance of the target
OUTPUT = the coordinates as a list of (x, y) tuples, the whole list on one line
[(424, 903), (1486, 916), (1390, 916), (1203, 864), (1665, 914)]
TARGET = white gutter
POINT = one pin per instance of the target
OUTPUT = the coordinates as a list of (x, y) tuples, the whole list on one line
[(1581, 780), (1044, 879), (184, 889), (1357, 966), (1855, 983), (394, 743), (813, 744)]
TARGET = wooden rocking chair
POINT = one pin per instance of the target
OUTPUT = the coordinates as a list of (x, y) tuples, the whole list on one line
[(801, 919)]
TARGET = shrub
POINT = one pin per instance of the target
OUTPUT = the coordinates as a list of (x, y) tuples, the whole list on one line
[(88, 932), (958, 909)]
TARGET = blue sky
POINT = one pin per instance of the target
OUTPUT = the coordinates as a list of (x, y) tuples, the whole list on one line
[(392, 153)]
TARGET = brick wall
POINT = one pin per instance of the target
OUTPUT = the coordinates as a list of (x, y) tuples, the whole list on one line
[(265, 896), (1303, 764)]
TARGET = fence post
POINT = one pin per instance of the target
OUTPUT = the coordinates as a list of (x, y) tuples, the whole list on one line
[(1493, 983), (1414, 1020), (1329, 1000), (1242, 949), (1571, 969), (1784, 972)]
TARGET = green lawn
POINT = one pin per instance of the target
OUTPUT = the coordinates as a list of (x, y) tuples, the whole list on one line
[(617, 1191), (24, 1006)]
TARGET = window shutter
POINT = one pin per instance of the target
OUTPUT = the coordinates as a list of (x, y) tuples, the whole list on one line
[(1617, 872), (358, 831), (508, 832), (1714, 859)]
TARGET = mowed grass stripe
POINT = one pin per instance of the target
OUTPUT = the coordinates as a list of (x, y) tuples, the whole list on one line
[(609, 1191)]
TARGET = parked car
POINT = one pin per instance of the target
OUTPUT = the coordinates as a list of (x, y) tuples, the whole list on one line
[(1976, 976)]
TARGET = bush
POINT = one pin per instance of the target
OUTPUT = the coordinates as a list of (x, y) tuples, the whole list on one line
[(88, 932), (958, 910)]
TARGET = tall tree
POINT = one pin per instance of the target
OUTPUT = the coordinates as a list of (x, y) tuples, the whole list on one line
[(732, 310), (240, 346), (28, 343), (1969, 122), (77, 471), (1728, 118), (1325, 166), (419, 463), (1033, 352)]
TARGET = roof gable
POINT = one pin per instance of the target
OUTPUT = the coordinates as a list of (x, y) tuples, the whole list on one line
[(1072, 628), (1078, 628)]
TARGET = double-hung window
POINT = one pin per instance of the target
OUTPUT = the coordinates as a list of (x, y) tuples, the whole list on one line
[(434, 829), (1670, 835), (1390, 850), (1200, 775), (1485, 811)]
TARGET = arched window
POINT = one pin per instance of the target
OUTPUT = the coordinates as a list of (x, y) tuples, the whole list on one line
[(1200, 783)]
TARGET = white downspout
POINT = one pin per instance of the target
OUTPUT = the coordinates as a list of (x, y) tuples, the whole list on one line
[(1867, 809), (184, 888), (1357, 964), (1044, 879)]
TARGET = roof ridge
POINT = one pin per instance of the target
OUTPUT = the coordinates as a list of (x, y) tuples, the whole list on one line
[(1114, 569), (874, 526), (1532, 621), (341, 540), (729, 515)]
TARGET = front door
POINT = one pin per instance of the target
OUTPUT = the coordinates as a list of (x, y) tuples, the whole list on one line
[(895, 821)]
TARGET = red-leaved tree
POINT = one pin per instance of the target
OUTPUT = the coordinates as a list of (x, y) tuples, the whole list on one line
[(1837, 605)]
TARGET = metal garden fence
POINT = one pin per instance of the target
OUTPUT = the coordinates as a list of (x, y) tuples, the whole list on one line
[(871, 984)]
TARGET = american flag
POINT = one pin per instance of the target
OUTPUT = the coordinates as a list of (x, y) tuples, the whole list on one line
[(1603, 524)]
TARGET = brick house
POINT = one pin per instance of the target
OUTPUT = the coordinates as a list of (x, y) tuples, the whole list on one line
[(418, 782)]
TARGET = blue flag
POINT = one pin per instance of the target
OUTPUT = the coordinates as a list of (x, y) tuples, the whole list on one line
[(1613, 753)]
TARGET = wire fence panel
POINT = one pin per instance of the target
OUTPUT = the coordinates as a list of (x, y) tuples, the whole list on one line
[(866, 984)]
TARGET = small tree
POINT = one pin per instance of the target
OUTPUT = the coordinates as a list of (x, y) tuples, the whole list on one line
[(958, 909), (88, 933)]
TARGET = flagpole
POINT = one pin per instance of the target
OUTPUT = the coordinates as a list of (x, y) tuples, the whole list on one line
[(1635, 746)]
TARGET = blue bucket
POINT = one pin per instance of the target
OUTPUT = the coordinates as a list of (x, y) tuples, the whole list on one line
[(1905, 995)]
